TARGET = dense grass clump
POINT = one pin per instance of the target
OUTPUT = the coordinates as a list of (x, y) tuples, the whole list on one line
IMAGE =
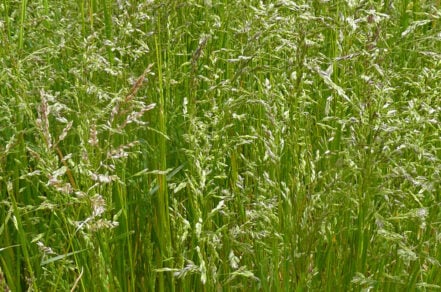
[(220, 145)]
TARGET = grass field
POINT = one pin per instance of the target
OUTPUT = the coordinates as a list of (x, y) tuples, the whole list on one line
[(220, 145)]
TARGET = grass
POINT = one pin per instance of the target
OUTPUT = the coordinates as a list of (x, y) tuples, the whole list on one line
[(220, 145)]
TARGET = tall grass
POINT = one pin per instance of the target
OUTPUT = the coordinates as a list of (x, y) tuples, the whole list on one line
[(220, 145)]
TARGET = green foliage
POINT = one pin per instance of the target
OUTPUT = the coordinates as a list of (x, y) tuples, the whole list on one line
[(220, 145)]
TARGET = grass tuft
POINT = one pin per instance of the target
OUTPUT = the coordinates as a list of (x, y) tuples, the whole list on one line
[(219, 145)]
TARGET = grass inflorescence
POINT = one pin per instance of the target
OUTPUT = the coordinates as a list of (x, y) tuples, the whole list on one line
[(220, 145)]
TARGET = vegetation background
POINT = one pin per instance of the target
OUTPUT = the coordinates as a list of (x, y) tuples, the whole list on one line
[(220, 145)]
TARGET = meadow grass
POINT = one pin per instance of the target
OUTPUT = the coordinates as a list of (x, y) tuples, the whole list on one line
[(220, 145)]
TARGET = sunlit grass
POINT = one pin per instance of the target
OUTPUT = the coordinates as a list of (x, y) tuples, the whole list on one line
[(220, 145)]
